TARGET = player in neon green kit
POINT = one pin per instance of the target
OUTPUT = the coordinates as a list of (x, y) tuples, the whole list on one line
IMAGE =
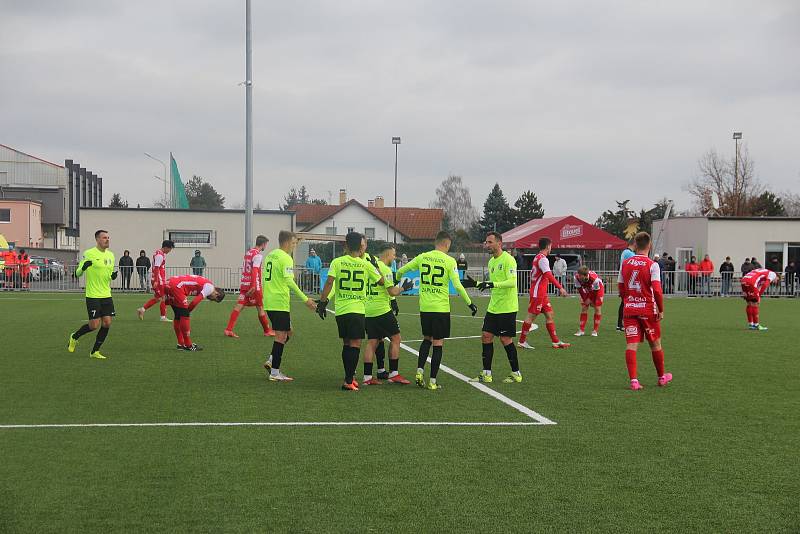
[(350, 275), (277, 274), (501, 315), (436, 270), (98, 266)]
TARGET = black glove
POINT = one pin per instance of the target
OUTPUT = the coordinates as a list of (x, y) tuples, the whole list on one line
[(396, 280), (473, 309), (395, 307), (407, 284), (114, 275), (483, 286), (321, 309), (374, 261), (87, 264), (468, 281)]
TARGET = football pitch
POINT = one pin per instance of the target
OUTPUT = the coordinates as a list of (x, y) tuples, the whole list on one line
[(716, 451)]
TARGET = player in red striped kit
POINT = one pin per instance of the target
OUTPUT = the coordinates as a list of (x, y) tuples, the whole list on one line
[(643, 308), (754, 284), (158, 280), (541, 276), (591, 291), (178, 289), (250, 290)]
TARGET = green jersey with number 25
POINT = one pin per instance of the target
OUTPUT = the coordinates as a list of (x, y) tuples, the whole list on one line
[(350, 285)]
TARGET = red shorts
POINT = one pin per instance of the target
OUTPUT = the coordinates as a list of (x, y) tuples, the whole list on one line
[(159, 291), (176, 297), (638, 329), (750, 293), (256, 299), (539, 304), (592, 298)]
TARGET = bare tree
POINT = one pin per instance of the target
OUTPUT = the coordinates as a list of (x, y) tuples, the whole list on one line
[(453, 197), (723, 189), (791, 203)]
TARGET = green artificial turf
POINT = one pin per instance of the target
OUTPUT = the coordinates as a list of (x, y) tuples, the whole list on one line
[(716, 451)]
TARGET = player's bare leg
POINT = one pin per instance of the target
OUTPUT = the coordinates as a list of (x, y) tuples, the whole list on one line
[(394, 361), (527, 326), (550, 324), (583, 318), (273, 363)]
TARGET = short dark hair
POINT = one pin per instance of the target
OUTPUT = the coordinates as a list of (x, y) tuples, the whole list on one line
[(353, 241), (22, 251), (642, 240), (142, 252), (442, 235), (126, 251), (497, 235), (385, 247), (284, 236), (168, 243), (260, 240), (544, 242), (97, 233)]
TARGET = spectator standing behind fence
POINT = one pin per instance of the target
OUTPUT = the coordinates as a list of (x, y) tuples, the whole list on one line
[(726, 271), (692, 275), (756, 263), (790, 272), (662, 265), (461, 265), (627, 253), (671, 266), (142, 268), (560, 270), (198, 264), (24, 266), (313, 267), (126, 269), (746, 267), (706, 269)]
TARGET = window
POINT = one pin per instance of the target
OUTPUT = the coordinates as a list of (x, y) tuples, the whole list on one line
[(193, 238), (330, 230), (369, 233), (5, 215)]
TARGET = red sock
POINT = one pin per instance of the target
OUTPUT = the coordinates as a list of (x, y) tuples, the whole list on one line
[(526, 327), (264, 322), (584, 317), (630, 361), (176, 325), (551, 329), (755, 314), (597, 318), (232, 320), (185, 327), (658, 361), (150, 303), (163, 308)]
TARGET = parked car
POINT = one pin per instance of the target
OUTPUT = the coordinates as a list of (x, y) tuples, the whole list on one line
[(47, 268)]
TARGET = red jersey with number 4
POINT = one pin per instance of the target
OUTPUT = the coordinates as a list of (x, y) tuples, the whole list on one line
[(158, 274), (251, 270), (640, 278), (541, 266), (759, 279)]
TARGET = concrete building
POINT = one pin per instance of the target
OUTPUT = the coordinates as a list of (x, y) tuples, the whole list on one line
[(738, 237), (21, 223)]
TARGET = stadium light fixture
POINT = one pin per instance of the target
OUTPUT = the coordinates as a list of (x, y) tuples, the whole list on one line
[(166, 196), (737, 135), (395, 142)]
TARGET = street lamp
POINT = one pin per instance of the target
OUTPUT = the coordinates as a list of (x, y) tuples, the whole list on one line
[(166, 198), (736, 137), (395, 142)]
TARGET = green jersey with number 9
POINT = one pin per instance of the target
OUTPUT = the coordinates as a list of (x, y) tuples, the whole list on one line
[(277, 273), (352, 275), (436, 270)]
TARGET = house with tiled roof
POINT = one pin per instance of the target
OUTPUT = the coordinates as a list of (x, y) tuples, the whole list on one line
[(374, 220)]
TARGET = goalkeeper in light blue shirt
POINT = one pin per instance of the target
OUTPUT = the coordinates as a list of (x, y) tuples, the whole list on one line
[(627, 253)]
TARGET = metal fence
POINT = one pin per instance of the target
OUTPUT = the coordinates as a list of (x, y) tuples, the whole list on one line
[(678, 283)]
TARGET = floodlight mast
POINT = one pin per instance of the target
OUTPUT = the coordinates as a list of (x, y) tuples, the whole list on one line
[(248, 173), (736, 137), (395, 142)]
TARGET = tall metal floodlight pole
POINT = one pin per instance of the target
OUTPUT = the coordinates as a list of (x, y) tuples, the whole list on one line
[(395, 142), (167, 198), (248, 176), (736, 137)]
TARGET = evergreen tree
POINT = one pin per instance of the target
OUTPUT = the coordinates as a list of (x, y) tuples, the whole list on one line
[(497, 215), (202, 195), (527, 207), (117, 202), (767, 204)]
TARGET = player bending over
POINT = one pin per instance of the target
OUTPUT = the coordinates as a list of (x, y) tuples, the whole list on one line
[(348, 277), (381, 322), (178, 289), (501, 315), (250, 288), (278, 283), (158, 280), (754, 284), (436, 269), (539, 301), (643, 308), (591, 291)]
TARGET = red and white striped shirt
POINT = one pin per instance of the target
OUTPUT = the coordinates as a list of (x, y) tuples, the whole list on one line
[(541, 275), (593, 283), (251, 270), (158, 275), (759, 278), (191, 284)]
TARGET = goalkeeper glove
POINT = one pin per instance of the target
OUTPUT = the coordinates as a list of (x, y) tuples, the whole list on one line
[(407, 284), (485, 285), (468, 281), (473, 309), (395, 307), (86, 265), (321, 309), (114, 275)]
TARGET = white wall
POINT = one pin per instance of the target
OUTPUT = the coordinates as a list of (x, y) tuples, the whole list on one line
[(681, 232), (359, 218)]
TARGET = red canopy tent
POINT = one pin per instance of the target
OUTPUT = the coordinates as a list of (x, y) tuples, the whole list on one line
[(566, 232)]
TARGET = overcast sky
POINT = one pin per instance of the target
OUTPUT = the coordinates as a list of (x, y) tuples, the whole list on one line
[(582, 102)]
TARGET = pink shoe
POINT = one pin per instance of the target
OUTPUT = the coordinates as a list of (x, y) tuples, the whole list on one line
[(635, 385), (664, 380)]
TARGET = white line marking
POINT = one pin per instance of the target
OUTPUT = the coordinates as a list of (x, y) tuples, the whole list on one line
[(274, 423)]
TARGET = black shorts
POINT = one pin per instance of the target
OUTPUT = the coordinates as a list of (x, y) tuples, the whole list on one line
[(180, 311), (97, 308), (501, 324), (351, 325), (435, 324), (280, 320), (382, 326)]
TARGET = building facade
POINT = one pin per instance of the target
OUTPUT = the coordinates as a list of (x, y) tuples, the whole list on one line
[(21, 223)]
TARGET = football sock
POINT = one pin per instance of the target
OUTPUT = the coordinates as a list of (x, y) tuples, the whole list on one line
[(511, 352), (163, 308), (81, 331), (630, 361), (367, 371), (176, 325), (755, 314), (584, 317), (150, 303), (232, 321), (394, 365), (424, 349), (380, 355), (345, 354), (526, 326), (749, 313), (264, 322), (551, 329), (352, 361), (186, 329), (276, 354), (597, 318), (436, 359), (658, 361), (487, 353), (101, 336)]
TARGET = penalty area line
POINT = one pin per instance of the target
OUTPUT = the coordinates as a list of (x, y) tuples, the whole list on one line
[(271, 423)]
